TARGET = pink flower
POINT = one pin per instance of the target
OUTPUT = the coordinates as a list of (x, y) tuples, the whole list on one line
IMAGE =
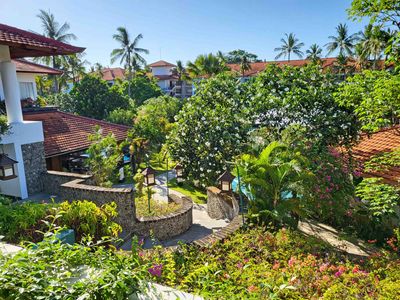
[(239, 265), (338, 273), (291, 261), (156, 270)]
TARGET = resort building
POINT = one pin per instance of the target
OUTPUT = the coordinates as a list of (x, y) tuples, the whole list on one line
[(111, 75), (168, 81)]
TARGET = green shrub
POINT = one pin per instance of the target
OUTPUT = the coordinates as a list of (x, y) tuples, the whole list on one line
[(24, 222), (62, 271), (88, 219), (21, 222)]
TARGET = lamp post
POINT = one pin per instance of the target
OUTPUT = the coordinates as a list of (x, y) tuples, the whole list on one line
[(241, 204), (7, 170), (225, 181), (179, 173), (149, 180)]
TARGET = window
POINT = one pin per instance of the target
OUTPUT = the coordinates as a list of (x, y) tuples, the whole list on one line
[(26, 90)]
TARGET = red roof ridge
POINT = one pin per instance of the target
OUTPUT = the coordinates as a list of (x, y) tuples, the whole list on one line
[(161, 63), (27, 62), (12, 36)]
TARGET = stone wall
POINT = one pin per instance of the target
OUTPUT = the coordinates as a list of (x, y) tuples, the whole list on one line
[(71, 186), (221, 205), (35, 166), (170, 225)]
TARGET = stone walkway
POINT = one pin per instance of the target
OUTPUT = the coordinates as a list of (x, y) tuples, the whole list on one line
[(332, 236), (202, 226)]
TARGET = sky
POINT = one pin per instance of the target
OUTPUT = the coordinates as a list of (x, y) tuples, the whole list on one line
[(182, 29)]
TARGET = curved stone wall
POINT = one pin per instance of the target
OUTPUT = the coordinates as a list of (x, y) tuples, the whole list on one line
[(170, 225)]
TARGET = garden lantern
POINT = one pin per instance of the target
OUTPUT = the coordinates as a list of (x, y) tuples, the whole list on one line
[(7, 170), (179, 173), (225, 181), (149, 176)]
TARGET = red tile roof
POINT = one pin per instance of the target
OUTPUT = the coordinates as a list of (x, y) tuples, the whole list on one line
[(24, 66), (161, 63), (110, 74), (23, 43), (385, 140), (66, 133), (258, 67)]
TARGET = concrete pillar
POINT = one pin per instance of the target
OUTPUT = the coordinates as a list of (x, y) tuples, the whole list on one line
[(11, 92)]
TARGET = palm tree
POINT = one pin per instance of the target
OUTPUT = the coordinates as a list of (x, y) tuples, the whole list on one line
[(53, 30), (97, 69), (206, 65), (343, 42), (373, 41), (314, 53), (179, 70), (275, 180), (129, 53), (75, 66), (289, 45), (245, 64)]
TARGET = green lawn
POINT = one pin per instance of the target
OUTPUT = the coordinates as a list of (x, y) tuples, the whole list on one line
[(197, 195)]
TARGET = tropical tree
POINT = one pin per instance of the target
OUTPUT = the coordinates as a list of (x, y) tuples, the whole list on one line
[(179, 70), (52, 29), (314, 53), (384, 14), (97, 69), (343, 41), (74, 68), (129, 53), (236, 56), (206, 65), (245, 64), (373, 42), (277, 181), (289, 45)]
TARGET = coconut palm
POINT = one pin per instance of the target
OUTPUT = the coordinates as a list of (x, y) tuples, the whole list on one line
[(52, 29), (373, 41), (275, 180), (206, 65), (179, 70), (245, 64), (289, 45), (314, 53), (129, 54), (343, 42)]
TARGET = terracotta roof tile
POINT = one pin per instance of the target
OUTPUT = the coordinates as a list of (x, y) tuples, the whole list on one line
[(28, 44), (110, 74), (67, 133), (24, 66), (385, 140), (258, 67), (161, 63)]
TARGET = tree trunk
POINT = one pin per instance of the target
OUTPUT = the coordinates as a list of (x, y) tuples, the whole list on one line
[(55, 81)]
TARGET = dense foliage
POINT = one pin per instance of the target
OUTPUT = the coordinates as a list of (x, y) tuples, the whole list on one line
[(104, 157), (92, 97), (211, 128), (154, 120), (287, 96), (257, 264), (374, 96), (278, 183), (141, 88), (27, 221), (61, 271)]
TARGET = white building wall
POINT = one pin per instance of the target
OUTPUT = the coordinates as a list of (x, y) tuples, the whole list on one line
[(22, 77), (161, 70)]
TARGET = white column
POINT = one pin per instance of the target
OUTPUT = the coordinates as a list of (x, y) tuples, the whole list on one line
[(11, 92)]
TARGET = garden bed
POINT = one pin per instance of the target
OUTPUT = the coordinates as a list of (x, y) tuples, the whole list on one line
[(283, 264)]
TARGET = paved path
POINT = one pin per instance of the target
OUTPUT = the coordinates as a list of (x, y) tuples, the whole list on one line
[(332, 237), (202, 226)]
